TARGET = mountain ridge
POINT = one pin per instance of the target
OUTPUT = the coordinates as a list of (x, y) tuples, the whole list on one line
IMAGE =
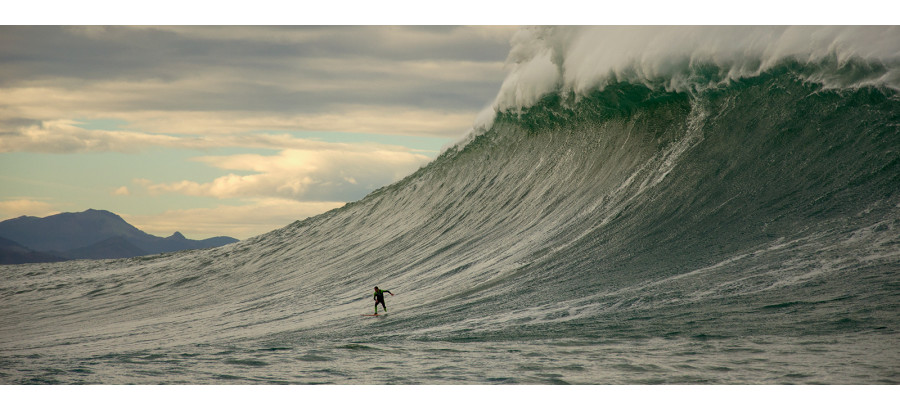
[(12, 253), (90, 234)]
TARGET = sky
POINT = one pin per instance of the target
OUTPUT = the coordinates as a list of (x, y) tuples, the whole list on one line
[(248, 122), (230, 130)]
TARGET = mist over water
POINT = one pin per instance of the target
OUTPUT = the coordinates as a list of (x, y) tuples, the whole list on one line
[(732, 218)]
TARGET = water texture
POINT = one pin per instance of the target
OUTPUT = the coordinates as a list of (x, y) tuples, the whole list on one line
[(736, 230)]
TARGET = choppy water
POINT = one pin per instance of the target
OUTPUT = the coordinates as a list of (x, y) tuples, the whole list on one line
[(740, 232), (768, 360)]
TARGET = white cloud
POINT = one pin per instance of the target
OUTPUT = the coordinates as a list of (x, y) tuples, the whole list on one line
[(121, 191), (64, 136), (331, 172), (242, 221), (355, 119), (223, 130), (67, 136)]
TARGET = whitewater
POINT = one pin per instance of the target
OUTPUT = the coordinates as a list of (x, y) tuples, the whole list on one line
[(638, 205)]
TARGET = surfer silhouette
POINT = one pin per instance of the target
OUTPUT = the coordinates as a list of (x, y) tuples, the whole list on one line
[(379, 298)]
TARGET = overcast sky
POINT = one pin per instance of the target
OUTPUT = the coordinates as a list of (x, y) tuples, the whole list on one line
[(230, 130), (238, 130)]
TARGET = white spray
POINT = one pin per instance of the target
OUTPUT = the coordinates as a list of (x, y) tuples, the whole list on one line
[(544, 60)]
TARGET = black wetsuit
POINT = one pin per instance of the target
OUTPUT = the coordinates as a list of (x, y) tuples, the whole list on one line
[(379, 298)]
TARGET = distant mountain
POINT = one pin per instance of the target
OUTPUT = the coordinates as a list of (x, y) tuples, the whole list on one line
[(13, 253), (94, 234), (115, 247), (65, 231)]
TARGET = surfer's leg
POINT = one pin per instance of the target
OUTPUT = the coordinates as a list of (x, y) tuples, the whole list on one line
[(382, 305)]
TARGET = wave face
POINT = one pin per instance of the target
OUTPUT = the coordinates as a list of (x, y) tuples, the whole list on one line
[(745, 231)]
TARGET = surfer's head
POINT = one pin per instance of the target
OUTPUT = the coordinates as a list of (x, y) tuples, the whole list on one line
[(376, 288)]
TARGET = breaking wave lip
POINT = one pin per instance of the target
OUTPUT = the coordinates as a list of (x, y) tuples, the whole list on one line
[(581, 60)]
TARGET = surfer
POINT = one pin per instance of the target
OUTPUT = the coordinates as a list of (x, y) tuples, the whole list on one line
[(379, 298)]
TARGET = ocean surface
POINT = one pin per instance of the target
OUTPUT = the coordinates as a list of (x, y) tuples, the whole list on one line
[(700, 216)]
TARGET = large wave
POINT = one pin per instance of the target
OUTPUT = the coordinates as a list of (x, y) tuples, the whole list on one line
[(581, 60), (744, 183)]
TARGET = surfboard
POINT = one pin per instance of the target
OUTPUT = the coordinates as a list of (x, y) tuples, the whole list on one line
[(384, 314)]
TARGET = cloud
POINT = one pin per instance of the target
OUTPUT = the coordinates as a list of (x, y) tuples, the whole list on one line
[(135, 89), (333, 172), (21, 207), (353, 119), (472, 43), (240, 221), (68, 136), (236, 129), (416, 81), (64, 136)]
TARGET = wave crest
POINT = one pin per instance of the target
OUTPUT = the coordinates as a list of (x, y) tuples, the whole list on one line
[(580, 60)]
